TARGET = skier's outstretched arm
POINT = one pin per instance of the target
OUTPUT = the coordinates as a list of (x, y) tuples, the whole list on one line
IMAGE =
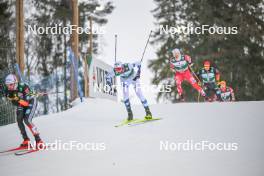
[(20, 100), (137, 67)]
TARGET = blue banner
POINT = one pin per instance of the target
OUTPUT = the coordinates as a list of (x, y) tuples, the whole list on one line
[(21, 76), (74, 62)]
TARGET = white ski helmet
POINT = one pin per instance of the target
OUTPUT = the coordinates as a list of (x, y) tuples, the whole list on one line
[(11, 79), (176, 51)]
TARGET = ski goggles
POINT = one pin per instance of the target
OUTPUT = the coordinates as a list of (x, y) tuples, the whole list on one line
[(118, 69)]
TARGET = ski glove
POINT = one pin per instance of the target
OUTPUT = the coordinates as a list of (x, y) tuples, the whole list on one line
[(23, 103), (15, 98), (137, 77), (138, 73)]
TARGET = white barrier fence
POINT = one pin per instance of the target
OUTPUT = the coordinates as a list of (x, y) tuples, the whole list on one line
[(97, 76)]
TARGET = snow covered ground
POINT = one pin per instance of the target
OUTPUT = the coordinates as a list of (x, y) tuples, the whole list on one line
[(136, 150)]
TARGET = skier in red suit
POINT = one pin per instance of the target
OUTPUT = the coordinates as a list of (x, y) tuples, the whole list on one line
[(180, 64)]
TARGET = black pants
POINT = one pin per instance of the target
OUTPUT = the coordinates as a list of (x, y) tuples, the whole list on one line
[(212, 89), (25, 115)]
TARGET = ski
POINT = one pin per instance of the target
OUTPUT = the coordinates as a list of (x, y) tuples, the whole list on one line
[(126, 122), (24, 152), (142, 121), (14, 149)]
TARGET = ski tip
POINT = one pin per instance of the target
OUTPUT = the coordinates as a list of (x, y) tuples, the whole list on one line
[(46, 147), (126, 122), (153, 119)]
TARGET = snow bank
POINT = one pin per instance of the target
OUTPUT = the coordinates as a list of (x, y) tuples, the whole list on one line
[(137, 150)]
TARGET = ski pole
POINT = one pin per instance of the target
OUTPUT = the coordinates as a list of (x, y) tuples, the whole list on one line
[(199, 97), (195, 75), (44, 93), (115, 46), (197, 80), (146, 46)]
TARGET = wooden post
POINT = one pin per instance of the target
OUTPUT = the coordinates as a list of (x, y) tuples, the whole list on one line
[(86, 76), (74, 43), (91, 37), (90, 46), (89, 55), (20, 35)]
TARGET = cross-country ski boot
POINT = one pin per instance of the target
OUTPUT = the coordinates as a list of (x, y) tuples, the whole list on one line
[(39, 143), (130, 115), (180, 97), (148, 113), (26, 143)]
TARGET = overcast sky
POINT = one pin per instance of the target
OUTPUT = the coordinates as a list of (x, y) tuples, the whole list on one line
[(132, 22)]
